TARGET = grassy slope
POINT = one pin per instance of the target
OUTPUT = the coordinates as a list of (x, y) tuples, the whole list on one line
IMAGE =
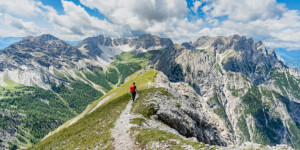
[(34, 112), (75, 100), (128, 63), (94, 129)]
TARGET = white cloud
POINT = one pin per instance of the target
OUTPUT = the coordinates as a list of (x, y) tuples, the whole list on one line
[(246, 10), (264, 20), (197, 4), (77, 23), (24, 27), (139, 14), (288, 35), (25, 8)]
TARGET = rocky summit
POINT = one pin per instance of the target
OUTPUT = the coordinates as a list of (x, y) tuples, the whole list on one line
[(213, 93)]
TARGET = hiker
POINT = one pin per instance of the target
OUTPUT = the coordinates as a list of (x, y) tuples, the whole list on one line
[(133, 90)]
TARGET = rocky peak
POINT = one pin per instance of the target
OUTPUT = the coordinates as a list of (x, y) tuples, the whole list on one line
[(105, 47), (47, 37), (105, 41), (272, 52), (46, 50), (146, 41), (239, 54)]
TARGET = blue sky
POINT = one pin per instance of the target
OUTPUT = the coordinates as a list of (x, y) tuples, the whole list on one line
[(277, 23)]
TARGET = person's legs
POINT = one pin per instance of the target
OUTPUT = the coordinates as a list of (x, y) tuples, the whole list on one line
[(133, 95)]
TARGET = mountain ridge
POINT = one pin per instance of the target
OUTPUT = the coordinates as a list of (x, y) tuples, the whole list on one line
[(218, 90)]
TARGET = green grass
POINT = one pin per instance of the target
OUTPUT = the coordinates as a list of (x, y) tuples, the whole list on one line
[(59, 74), (147, 136), (126, 69), (39, 117), (178, 105), (128, 63), (286, 83), (112, 75), (94, 129), (265, 131), (242, 124), (80, 96), (188, 68), (89, 132), (10, 83), (138, 121), (219, 109), (210, 52), (219, 68), (295, 131), (235, 92), (98, 77)]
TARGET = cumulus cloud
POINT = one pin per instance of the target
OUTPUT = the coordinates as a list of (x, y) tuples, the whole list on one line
[(25, 27), (246, 10), (139, 14), (196, 6), (77, 22), (265, 20), (27, 8)]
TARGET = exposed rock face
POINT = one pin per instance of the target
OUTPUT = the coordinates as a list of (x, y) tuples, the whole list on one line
[(31, 61), (245, 56), (105, 47), (185, 111), (237, 79)]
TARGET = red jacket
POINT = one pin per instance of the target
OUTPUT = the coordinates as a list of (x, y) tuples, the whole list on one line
[(132, 88)]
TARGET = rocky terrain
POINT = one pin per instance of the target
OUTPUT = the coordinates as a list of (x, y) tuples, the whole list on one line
[(213, 93), (105, 47)]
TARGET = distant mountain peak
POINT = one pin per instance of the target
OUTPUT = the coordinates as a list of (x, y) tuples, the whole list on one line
[(47, 37), (41, 38)]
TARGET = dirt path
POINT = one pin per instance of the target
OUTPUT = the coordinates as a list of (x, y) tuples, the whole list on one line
[(122, 140)]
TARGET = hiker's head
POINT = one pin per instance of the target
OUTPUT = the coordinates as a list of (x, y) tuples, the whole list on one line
[(133, 83)]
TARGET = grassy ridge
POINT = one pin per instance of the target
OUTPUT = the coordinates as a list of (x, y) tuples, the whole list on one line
[(94, 129)]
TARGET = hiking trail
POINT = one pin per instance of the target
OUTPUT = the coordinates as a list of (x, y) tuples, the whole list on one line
[(122, 139)]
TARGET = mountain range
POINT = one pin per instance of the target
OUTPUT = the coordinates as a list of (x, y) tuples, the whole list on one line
[(213, 93)]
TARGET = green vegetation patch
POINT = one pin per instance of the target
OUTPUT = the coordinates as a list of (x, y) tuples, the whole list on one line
[(219, 68), (188, 68), (218, 108), (266, 128), (112, 75), (93, 130), (147, 136), (126, 69), (40, 111), (98, 77), (10, 83), (210, 52), (80, 96), (138, 121), (286, 83), (242, 124), (295, 134), (129, 62)]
